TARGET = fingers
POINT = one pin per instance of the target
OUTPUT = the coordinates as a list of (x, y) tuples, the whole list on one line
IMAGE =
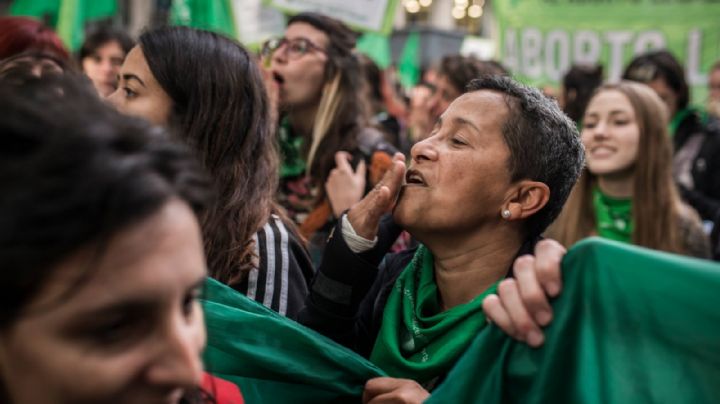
[(365, 215), (342, 161), (379, 385), (495, 313), (548, 257), (531, 292), (393, 178), (391, 390), (525, 327), (361, 171)]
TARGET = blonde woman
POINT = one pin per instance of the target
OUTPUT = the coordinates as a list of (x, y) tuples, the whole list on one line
[(627, 191)]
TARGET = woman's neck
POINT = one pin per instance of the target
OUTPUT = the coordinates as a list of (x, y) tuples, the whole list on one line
[(467, 266), (616, 187), (302, 120)]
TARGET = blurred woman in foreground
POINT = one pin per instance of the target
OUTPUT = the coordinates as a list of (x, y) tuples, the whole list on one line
[(102, 255)]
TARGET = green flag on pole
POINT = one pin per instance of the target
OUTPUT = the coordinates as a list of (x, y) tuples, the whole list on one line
[(376, 47), (409, 65), (211, 15)]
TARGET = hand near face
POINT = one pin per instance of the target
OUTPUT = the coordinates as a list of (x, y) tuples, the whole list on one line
[(521, 306), (365, 215), (387, 390), (273, 92), (345, 186)]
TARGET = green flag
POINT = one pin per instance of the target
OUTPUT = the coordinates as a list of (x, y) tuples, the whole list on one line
[(274, 359), (37, 8), (212, 15), (409, 65), (74, 14), (68, 17), (376, 47), (631, 325)]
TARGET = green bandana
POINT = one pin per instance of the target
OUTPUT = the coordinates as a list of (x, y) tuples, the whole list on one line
[(613, 216), (417, 339), (293, 164)]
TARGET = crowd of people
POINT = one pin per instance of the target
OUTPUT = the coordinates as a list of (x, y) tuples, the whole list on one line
[(398, 225)]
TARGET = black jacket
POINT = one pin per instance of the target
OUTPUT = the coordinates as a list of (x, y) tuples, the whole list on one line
[(704, 195)]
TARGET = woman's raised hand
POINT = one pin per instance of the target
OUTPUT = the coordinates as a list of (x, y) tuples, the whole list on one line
[(521, 306), (365, 215), (345, 186)]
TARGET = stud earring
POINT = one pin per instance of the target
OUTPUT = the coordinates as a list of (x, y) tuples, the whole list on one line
[(506, 214)]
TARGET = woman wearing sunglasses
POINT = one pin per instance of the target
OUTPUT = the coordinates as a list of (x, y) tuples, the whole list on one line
[(316, 81)]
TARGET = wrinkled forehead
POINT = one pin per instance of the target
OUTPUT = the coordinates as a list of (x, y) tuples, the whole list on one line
[(304, 30), (486, 109)]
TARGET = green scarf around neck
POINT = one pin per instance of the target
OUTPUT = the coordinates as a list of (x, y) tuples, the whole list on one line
[(292, 164), (417, 339), (613, 216)]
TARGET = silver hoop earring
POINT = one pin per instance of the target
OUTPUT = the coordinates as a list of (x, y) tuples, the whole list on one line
[(506, 214)]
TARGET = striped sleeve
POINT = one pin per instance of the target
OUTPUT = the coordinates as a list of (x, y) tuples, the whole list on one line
[(280, 281)]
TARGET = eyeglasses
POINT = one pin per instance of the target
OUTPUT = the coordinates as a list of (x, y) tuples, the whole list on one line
[(294, 48)]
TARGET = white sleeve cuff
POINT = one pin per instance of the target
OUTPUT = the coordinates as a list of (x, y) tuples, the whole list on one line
[(356, 243)]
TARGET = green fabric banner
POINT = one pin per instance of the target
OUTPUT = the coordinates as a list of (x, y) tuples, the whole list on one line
[(276, 360), (631, 325), (539, 40)]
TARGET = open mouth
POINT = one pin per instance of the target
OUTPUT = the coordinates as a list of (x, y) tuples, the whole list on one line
[(278, 78), (414, 178)]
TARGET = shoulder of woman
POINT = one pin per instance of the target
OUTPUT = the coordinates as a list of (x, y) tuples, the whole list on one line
[(694, 238)]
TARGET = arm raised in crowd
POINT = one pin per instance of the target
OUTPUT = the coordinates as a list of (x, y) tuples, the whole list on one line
[(340, 303)]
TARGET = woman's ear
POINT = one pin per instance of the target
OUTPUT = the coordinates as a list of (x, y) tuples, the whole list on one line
[(525, 199)]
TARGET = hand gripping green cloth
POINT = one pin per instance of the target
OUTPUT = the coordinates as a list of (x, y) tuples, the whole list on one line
[(274, 359), (631, 326)]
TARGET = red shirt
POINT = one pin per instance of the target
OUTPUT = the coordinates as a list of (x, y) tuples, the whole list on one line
[(223, 391)]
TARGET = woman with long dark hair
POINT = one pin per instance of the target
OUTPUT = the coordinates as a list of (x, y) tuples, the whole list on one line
[(209, 91)]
